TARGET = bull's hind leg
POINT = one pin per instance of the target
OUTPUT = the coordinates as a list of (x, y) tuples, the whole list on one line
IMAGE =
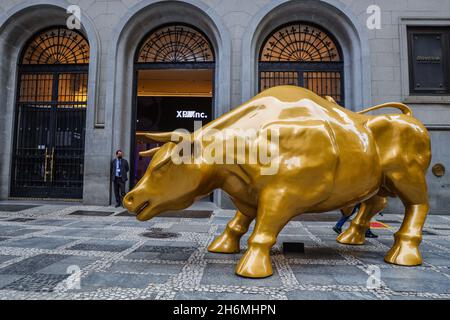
[(356, 233), (412, 190), (229, 240)]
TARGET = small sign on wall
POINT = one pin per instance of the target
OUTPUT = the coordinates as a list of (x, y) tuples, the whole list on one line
[(429, 61)]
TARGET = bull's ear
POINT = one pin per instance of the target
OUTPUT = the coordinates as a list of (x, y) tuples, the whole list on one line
[(163, 157), (330, 99), (149, 153)]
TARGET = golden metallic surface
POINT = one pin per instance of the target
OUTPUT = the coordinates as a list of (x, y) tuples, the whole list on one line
[(329, 158)]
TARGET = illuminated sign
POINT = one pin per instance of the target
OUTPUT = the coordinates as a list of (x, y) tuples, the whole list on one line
[(191, 115)]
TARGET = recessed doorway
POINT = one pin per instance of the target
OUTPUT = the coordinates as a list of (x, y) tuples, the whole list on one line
[(174, 87)]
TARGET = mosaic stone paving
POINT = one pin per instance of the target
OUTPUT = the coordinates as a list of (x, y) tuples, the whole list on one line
[(47, 253)]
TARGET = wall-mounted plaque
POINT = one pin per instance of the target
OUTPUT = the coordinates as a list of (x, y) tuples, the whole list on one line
[(429, 60)]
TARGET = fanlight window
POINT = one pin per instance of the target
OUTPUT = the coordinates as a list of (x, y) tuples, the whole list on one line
[(57, 46), (300, 43), (305, 55), (176, 44)]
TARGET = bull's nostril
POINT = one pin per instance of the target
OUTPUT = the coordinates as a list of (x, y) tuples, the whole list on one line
[(128, 200)]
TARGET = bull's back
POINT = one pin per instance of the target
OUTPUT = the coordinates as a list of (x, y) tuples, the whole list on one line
[(328, 150)]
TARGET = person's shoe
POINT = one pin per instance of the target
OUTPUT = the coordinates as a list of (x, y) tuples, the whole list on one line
[(370, 234), (118, 205), (337, 230)]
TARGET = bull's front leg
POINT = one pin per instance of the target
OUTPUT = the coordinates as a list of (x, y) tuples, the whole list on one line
[(274, 212), (229, 240)]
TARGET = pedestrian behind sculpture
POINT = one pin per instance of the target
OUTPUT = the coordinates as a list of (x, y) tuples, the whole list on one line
[(119, 172), (345, 217)]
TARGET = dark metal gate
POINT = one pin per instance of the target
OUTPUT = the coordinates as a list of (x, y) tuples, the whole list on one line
[(48, 158), (302, 55)]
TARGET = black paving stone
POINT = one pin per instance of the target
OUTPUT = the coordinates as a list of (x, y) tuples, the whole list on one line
[(162, 253), (40, 242), (10, 230), (329, 275), (410, 279), (6, 279), (36, 283), (4, 258), (99, 247), (22, 232), (50, 222), (220, 296), (145, 267), (224, 274), (86, 232), (15, 207), (105, 280), (161, 249), (87, 213), (20, 220), (329, 295), (158, 233), (192, 214), (32, 264)]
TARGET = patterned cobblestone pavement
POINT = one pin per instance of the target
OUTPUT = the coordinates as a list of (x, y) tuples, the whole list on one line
[(81, 252)]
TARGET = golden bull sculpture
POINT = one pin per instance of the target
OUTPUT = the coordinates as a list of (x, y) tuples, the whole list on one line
[(327, 158)]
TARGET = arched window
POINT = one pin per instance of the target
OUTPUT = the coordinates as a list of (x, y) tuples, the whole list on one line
[(57, 46), (304, 55), (176, 44), (51, 116)]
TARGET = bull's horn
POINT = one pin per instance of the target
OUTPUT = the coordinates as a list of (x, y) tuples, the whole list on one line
[(149, 153), (162, 137)]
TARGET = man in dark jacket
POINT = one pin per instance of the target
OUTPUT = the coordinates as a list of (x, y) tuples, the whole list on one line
[(119, 171)]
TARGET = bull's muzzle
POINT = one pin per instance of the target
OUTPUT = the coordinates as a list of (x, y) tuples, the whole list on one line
[(134, 204)]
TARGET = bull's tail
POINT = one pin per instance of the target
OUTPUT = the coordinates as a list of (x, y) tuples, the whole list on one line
[(402, 107)]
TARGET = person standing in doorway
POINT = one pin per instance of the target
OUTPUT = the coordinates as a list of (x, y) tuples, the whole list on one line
[(120, 169)]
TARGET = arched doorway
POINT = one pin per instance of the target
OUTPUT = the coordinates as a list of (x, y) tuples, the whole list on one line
[(174, 86), (50, 116), (303, 54)]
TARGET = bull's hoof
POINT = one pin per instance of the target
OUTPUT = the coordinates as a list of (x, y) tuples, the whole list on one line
[(255, 264), (224, 244), (354, 235), (404, 254)]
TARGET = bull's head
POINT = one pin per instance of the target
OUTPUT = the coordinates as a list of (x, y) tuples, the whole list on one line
[(166, 185)]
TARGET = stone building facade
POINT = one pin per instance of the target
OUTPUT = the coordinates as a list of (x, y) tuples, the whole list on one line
[(375, 66)]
